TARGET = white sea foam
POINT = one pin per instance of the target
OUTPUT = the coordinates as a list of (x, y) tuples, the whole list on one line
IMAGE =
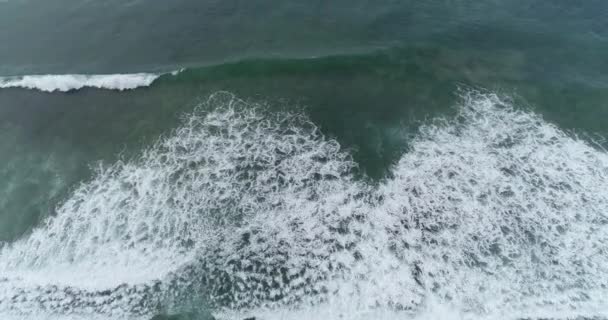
[(69, 82), (494, 214)]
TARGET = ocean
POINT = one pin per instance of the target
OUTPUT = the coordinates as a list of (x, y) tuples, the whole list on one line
[(204, 159)]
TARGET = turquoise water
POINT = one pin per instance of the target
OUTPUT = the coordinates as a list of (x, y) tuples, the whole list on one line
[(360, 160)]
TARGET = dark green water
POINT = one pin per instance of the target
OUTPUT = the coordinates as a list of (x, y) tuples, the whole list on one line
[(368, 74)]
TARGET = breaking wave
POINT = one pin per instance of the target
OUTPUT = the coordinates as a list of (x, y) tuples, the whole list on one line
[(69, 82), (493, 214)]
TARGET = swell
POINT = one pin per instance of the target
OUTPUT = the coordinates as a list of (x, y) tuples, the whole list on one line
[(349, 64), (494, 213), (454, 63)]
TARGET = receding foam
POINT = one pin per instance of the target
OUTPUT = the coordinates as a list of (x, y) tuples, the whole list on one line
[(492, 214)]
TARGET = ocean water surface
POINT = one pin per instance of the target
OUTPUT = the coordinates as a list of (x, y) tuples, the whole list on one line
[(202, 159)]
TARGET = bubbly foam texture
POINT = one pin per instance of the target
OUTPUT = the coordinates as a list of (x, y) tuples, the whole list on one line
[(69, 82), (509, 213), (492, 214)]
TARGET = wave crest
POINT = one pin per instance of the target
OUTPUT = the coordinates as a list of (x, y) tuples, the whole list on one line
[(69, 82)]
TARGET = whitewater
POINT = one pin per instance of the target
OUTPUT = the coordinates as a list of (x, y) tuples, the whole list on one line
[(71, 82), (494, 213)]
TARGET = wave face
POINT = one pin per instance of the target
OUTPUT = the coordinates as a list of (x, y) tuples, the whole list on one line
[(493, 214), (69, 82)]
